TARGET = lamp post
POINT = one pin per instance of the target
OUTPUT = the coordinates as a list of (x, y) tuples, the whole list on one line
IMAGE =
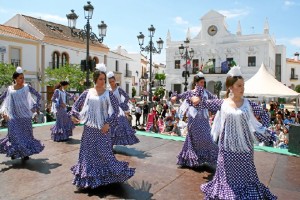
[(86, 33), (187, 55), (150, 49)]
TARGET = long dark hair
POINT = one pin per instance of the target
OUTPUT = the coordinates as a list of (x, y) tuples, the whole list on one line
[(97, 74), (57, 86), (196, 80), (15, 76), (230, 80), (64, 83)]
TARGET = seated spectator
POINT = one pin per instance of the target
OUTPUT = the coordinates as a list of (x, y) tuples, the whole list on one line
[(160, 124), (49, 115), (154, 128), (293, 115), (179, 125), (168, 127), (38, 117), (283, 139), (288, 120)]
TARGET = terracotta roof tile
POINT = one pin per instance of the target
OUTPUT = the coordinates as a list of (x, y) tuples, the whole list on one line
[(292, 60), (12, 31), (57, 31)]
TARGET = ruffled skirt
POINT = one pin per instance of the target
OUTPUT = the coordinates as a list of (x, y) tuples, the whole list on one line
[(199, 147), (97, 164), (63, 128), (236, 178), (19, 141), (123, 133)]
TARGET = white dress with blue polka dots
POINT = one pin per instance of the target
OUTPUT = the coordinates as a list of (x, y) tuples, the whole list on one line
[(63, 127), (235, 130), (198, 147), (97, 164), (19, 105), (123, 133)]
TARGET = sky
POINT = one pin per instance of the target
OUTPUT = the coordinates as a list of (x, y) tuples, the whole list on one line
[(126, 18)]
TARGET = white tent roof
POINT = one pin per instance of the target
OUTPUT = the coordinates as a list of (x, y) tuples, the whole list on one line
[(264, 84)]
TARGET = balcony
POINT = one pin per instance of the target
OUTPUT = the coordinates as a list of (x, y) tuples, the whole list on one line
[(294, 77), (15, 62), (128, 73), (215, 70)]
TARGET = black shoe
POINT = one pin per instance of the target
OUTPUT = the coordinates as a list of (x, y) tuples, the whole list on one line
[(13, 157), (25, 158)]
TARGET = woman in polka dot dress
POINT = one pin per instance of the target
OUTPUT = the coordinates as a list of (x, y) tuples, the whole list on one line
[(122, 133), (62, 129), (17, 108), (198, 148), (235, 128), (97, 108)]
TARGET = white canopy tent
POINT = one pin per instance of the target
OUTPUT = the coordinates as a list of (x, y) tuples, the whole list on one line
[(263, 84)]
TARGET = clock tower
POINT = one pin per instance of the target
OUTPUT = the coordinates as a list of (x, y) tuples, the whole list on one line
[(213, 26)]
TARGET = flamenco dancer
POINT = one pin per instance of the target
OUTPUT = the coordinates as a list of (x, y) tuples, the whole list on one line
[(122, 133), (199, 148), (97, 108), (17, 109), (235, 128), (63, 128)]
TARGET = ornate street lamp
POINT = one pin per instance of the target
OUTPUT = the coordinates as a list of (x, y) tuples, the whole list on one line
[(86, 33), (150, 49), (187, 55)]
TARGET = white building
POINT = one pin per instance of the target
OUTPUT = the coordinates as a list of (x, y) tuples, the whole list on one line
[(55, 46), (292, 71), (216, 43), (21, 49)]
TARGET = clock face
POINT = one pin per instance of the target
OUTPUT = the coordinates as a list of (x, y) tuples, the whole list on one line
[(212, 30)]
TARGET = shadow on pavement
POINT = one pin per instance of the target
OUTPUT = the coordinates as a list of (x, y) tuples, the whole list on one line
[(73, 141), (130, 152), (126, 190), (38, 165)]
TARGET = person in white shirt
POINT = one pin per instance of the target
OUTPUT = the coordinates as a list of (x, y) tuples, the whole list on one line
[(138, 113)]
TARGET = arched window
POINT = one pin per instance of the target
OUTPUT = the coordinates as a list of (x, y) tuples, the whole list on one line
[(96, 60), (64, 59), (55, 60)]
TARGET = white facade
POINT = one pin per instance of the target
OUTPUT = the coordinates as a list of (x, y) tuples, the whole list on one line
[(215, 42), (24, 52), (292, 71), (75, 51)]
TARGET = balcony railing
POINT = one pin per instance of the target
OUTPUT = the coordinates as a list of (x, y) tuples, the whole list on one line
[(294, 77), (128, 73), (215, 70), (15, 62)]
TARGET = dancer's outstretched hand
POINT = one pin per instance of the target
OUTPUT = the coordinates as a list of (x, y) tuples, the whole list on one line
[(105, 128), (75, 120), (195, 100)]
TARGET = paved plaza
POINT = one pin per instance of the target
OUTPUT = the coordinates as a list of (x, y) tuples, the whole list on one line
[(48, 176)]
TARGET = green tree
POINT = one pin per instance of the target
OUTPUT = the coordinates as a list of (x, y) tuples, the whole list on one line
[(160, 77), (297, 88), (218, 88), (71, 73), (133, 91), (6, 72), (159, 92)]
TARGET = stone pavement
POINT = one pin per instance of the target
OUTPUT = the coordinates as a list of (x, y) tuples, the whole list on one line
[(48, 176)]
